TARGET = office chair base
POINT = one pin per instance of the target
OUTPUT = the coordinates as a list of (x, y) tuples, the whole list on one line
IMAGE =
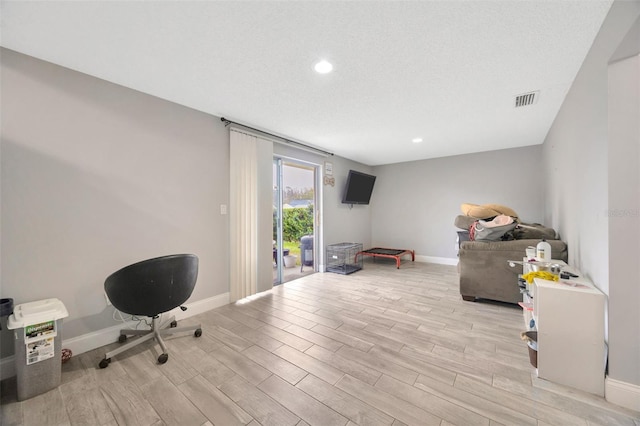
[(156, 332)]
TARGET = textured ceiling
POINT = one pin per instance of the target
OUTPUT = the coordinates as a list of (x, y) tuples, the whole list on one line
[(445, 71)]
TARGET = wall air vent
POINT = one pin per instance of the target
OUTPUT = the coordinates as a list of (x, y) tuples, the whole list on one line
[(527, 99)]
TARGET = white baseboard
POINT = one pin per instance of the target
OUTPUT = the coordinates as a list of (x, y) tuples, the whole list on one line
[(95, 339), (201, 306), (622, 393), (90, 341), (438, 260)]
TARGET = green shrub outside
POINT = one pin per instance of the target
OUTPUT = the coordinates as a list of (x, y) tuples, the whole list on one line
[(297, 222)]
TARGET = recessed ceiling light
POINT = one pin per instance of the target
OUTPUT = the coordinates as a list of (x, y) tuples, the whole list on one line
[(323, 67), (416, 140)]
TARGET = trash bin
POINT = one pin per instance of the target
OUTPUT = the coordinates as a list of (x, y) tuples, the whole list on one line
[(38, 345), (6, 309), (306, 251)]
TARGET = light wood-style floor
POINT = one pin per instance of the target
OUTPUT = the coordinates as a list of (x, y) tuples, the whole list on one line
[(381, 346)]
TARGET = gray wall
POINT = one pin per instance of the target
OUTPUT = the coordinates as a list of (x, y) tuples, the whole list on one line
[(576, 153), (415, 203), (624, 219), (96, 176), (624, 209)]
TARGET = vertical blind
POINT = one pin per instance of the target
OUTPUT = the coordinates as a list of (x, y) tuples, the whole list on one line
[(250, 202)]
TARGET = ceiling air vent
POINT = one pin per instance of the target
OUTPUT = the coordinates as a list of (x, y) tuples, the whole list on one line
[(527, 99)]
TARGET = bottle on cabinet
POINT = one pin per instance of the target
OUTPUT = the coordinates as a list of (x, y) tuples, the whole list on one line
[(543, 251)]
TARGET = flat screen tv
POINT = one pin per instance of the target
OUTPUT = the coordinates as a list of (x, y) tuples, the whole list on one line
[(359, 188)]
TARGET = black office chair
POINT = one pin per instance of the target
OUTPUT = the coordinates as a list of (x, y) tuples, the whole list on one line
[(150, 288)]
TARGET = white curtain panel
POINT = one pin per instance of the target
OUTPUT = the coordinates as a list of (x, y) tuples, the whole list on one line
[(250, 214)]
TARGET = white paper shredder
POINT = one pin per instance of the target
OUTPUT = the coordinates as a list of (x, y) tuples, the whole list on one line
[(37, 328)]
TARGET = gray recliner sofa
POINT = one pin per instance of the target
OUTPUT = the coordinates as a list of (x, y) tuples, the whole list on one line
[(485, 273), (483, 265)]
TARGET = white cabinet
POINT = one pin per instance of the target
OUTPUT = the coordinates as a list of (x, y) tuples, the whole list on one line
[(569, 317)]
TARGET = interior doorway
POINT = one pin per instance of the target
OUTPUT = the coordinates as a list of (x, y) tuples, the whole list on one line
[(294, 219)]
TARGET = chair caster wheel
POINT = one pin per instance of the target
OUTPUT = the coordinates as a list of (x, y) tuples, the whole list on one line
[(104, 363), (122, 338), (163, 358), (173, 324), (198, 332)]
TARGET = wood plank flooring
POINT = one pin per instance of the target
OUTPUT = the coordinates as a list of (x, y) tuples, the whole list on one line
[(383, 346)]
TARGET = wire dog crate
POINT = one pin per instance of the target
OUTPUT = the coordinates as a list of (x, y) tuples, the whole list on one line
[(342, 259)]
